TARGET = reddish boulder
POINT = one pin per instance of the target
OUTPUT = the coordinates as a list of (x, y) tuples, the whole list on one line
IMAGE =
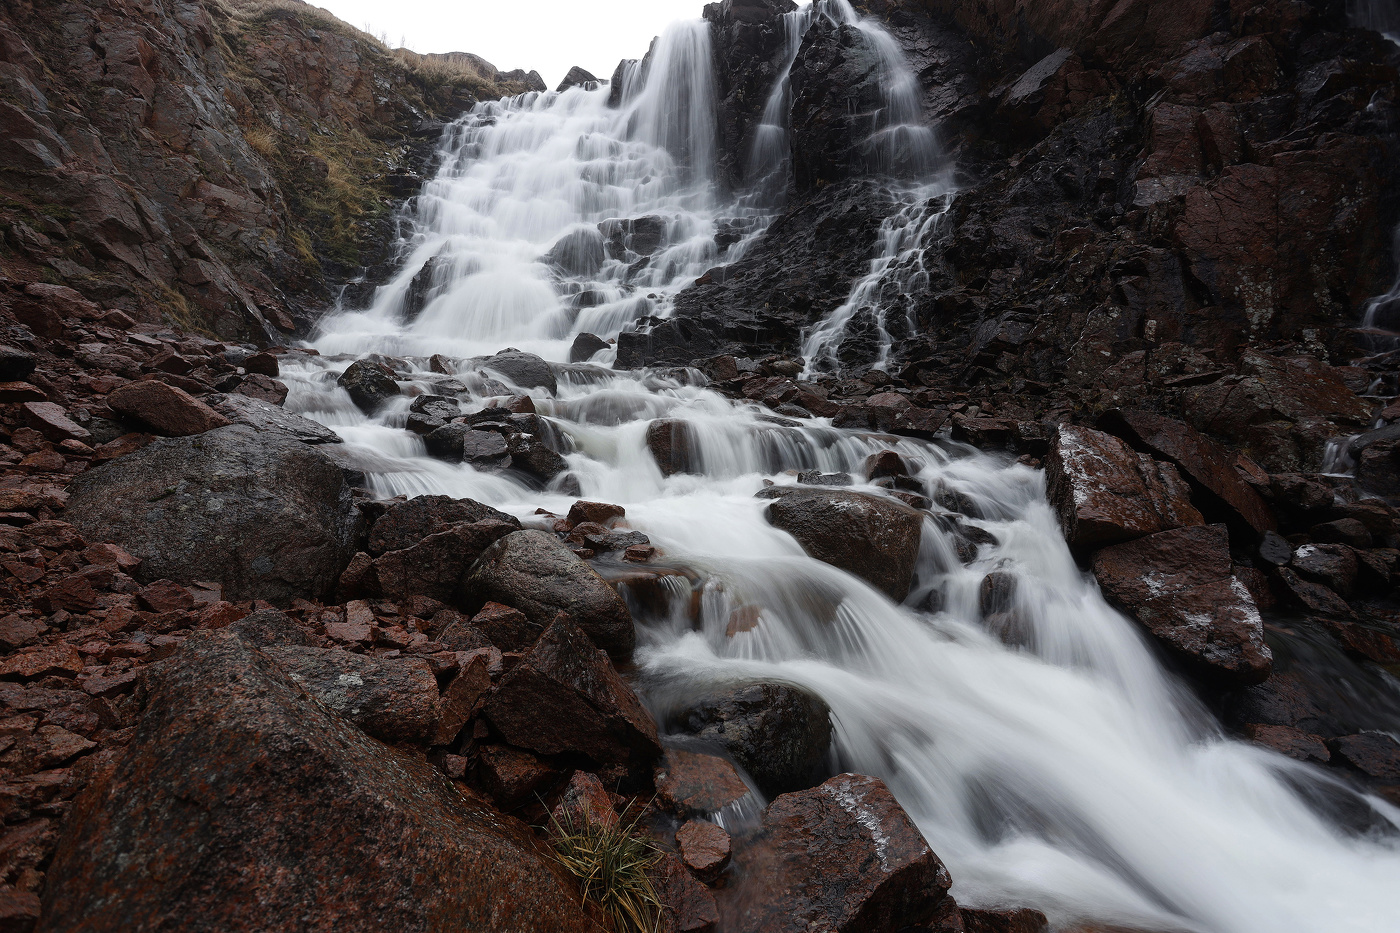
[(53, 422), (1105, 492), (705, 848), (874, 538), (584, 801), (1286, 740), (511, 775), (186, 813), (598, 512), (693, 783), (164, 409), (434, 566), (565, 696), (506, 628), (1209, 467), (1179, 585), (1006, 920), (842, 857)]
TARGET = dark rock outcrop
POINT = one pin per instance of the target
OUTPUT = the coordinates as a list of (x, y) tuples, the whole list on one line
[(537, 574), (874, 538), (843, 857), (263, 515), (181, 833), (778, 733)]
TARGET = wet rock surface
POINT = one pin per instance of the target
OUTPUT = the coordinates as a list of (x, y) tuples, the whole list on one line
[(261, 514), (192, 792), (875, 539), (840, 856)]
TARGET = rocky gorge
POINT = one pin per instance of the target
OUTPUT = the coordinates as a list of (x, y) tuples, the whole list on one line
[(925, 465)]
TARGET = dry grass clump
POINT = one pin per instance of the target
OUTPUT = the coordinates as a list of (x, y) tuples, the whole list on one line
[(612, 862)]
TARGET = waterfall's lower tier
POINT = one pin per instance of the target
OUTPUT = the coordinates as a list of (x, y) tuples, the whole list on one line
[(1062, 767)]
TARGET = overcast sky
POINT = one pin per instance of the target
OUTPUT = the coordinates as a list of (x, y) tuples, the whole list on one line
[(549, 36)]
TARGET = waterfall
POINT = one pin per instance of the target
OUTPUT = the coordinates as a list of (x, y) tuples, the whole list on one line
[(1380, 319), (1068, 770), (1381, 15)]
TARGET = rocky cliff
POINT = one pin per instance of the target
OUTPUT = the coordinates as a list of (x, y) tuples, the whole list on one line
[(225, 167)]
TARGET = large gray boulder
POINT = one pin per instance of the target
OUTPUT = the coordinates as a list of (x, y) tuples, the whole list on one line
[(536, 573), (265, 516), (526, 370), (876, 539)]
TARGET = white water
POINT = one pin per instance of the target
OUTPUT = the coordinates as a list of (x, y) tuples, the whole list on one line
[(1070, 773)]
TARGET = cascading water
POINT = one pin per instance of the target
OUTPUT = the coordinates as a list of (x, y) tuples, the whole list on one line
[(1380, 320), (1066, 771)]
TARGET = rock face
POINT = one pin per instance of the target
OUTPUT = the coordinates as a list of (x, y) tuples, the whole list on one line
[(836, 97), (779, 734), (1179, 585), (186, 814), (265, 516), (537, 574), (876, 539), (564, 697), (1103, 491), (843, 857)]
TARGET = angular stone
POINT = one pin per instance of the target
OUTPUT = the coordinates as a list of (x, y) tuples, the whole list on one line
[(598, 512), (459, 700), (584, 801), (506, 628), (778, 733), (512, 775), (538, 574), (1179, 585), (394, 699), (705, 849), (434, 567), (164, 409), (1204, 463), (264, 416), (692, 783), (186, 813), (369, 384), (564, 696), (1104, 492), (53, 422), (1374, 754), (871, 537), (842, 857), (687, 905), (33, 663)]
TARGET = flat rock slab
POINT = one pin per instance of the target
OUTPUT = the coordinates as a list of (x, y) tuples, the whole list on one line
[(264, 416), (241, 804)]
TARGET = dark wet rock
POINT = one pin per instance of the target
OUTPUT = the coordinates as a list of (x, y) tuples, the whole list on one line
[(1286, 740), (262, 416), (164, 409), (1006, 920), (1178, 584), (1180, 587), (598, 512), (874, 538), (15, 364), (513, 776), (1103, 491), (263, 515), (1333, 565), (435, 565), (485, 450), (836, 100), (777, 733), (530, 454), (687, 906), (633, 236), (225, 731), (1374, 754), (393, 699), (407, 523), (577, 253), (565, 697), (537, 573), (427, 413), (525, 370), (1206, 465), (673, 445), (370, 384), (577, 77), (585, 346), (843, 856)]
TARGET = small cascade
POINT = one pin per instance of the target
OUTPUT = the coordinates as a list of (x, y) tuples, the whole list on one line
[(887, 291), (767, 166)]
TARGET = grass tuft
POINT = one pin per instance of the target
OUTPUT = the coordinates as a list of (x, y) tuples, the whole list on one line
[(612, 864)]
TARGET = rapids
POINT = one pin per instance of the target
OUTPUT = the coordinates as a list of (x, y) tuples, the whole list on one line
[(1069, 771)]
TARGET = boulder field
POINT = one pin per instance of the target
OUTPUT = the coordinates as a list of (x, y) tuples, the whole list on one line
[(238, 689)]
